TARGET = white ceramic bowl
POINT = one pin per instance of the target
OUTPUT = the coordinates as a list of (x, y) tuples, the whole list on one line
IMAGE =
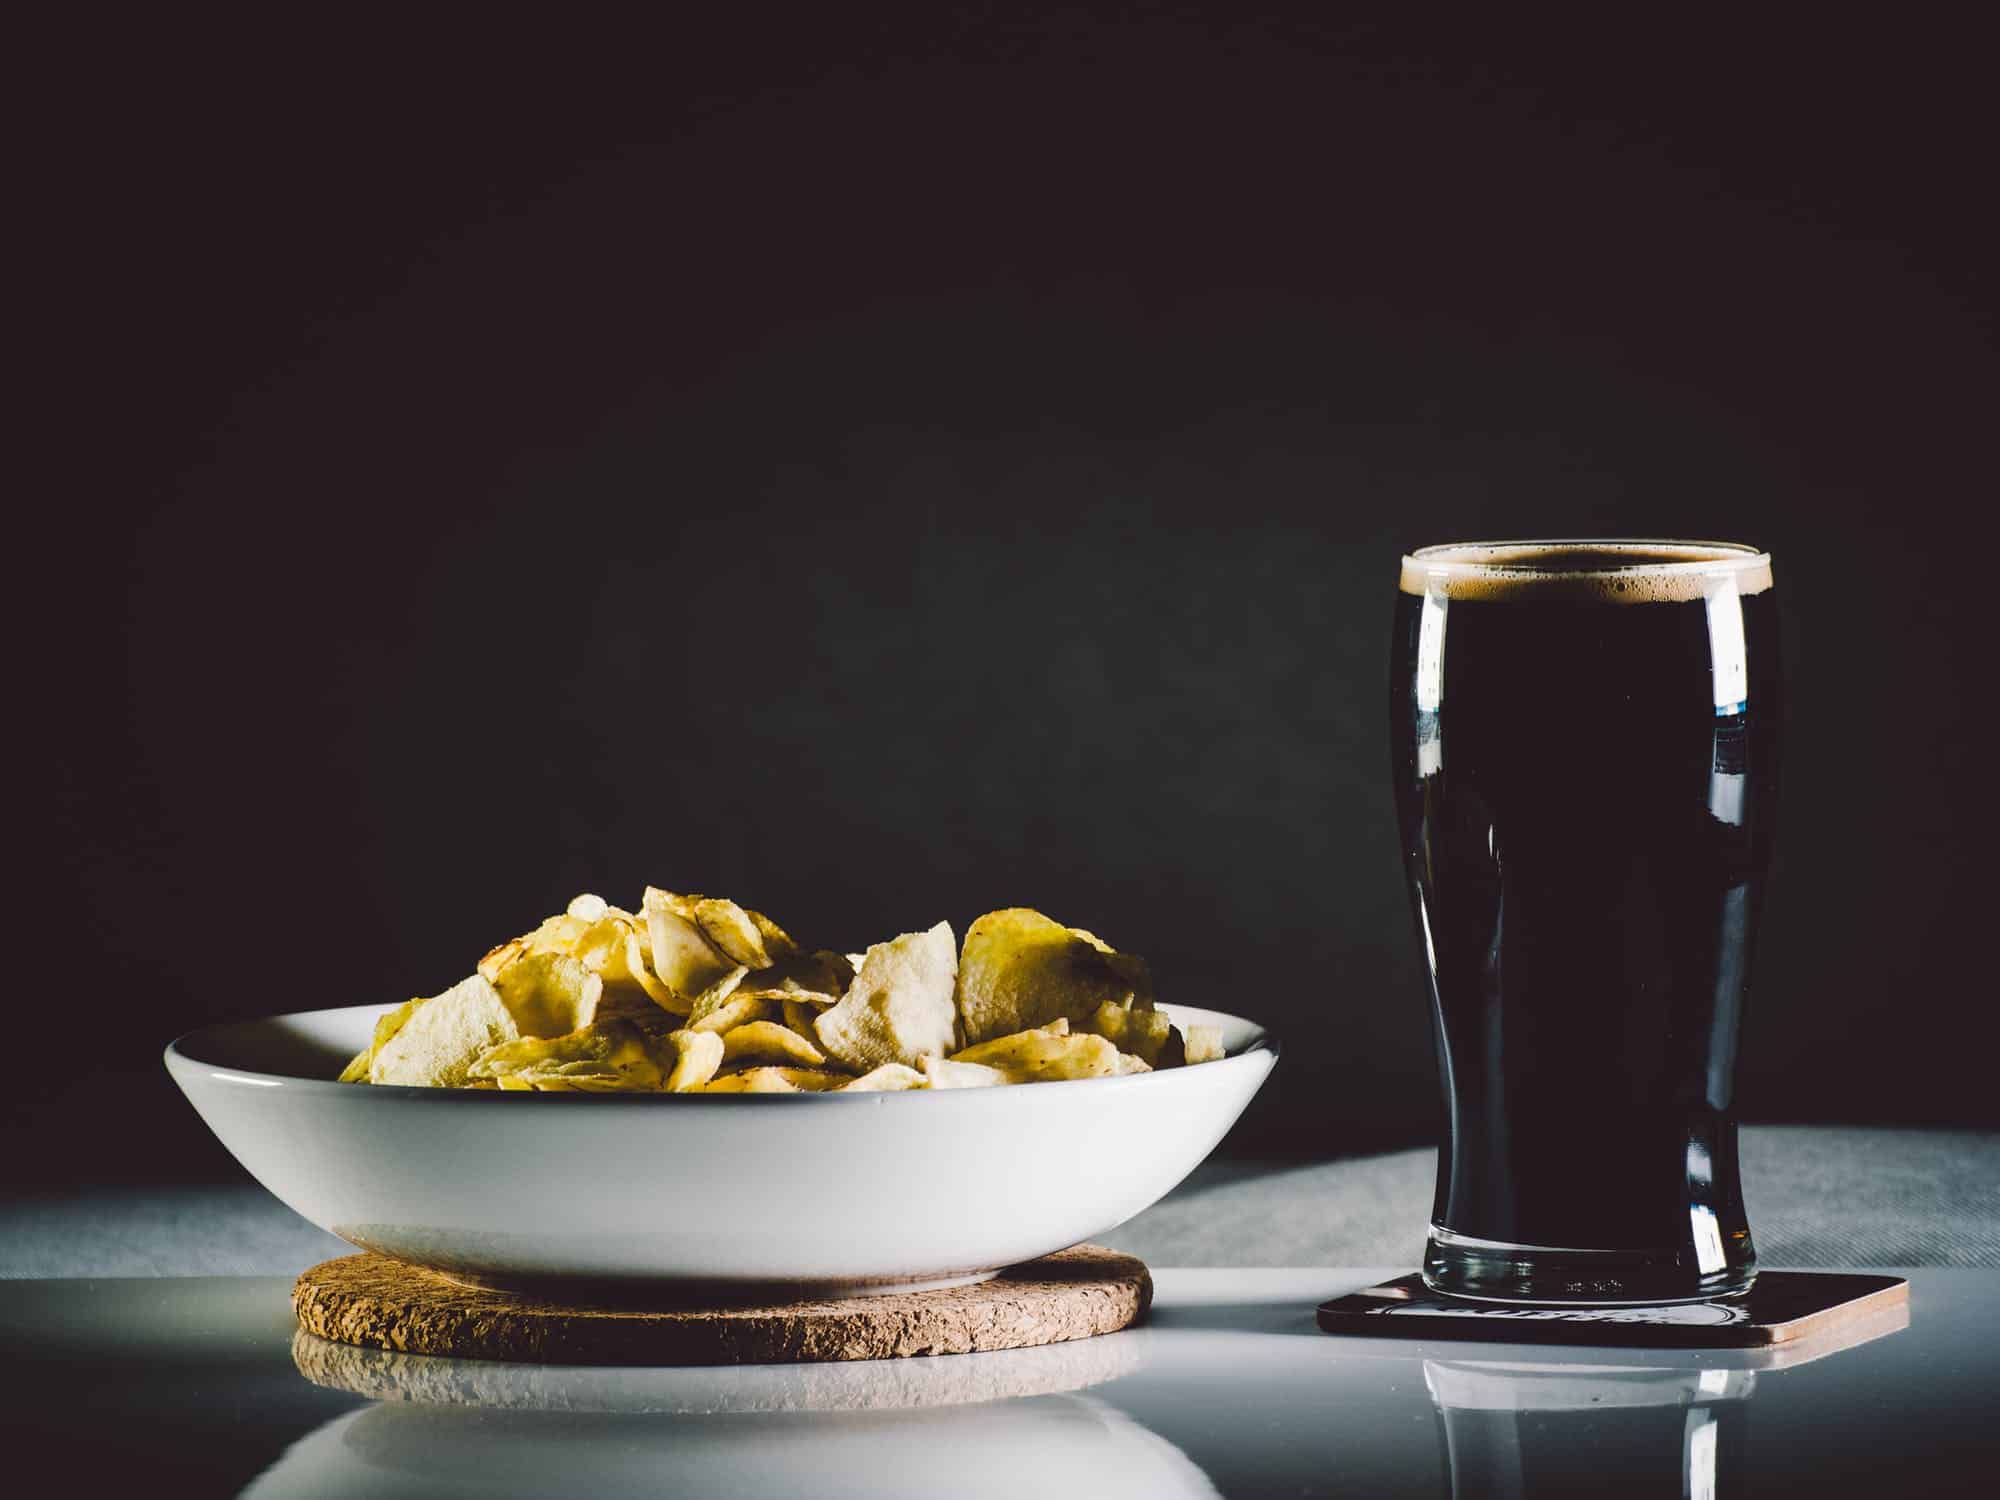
[(825, 1193)]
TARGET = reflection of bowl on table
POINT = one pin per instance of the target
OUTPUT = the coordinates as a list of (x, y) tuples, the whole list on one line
[(827, 1193), (966, 1427)]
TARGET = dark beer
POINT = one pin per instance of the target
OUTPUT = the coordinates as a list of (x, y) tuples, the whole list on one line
[(1586, 762)]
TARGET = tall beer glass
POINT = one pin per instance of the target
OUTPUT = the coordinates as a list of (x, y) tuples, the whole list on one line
[(1585, 738)]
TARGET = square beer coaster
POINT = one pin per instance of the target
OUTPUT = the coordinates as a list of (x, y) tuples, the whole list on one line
[(1780, 1306)]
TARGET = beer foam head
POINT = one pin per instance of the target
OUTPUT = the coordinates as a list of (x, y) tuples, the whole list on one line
[(1602, 572)]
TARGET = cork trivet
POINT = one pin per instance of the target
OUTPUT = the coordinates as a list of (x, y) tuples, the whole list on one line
[(379, 1303)]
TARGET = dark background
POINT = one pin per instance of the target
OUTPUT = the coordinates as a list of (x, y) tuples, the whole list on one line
[(897, 465)]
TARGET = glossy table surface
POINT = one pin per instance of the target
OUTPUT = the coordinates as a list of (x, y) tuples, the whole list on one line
[(1229, 1389)]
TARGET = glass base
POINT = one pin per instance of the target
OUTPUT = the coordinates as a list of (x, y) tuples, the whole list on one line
[(1492, 1271)]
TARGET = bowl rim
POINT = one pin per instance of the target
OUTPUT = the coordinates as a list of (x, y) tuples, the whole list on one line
[(179, 1054)]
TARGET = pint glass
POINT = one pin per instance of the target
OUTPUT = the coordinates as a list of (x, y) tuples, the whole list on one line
[(1585, 744)]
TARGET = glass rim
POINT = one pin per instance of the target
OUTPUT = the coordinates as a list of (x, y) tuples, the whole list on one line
[(1514, 559), (1659, 570)]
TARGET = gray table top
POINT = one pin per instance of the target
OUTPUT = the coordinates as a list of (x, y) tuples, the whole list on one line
[(1229, 1389), (1817, 1196)]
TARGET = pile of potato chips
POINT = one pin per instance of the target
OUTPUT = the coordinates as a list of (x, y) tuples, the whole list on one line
[(695, 994)]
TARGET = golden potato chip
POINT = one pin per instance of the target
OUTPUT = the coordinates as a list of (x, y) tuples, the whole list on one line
[(697, 1055), (600, 944), (777, 942), (899, 1007), (731, 1011), (614, 946), (749, 938), (821, 978), (1021, 970), (497, 959), (1047, 1054), (549, 994), (557, 934), (609, 1055), (889, 1078), (800, 1016), (683, 957), (751, 1081), (588, 908), (1146, 1034), (698, 992), (441, 1037), (1204, 1043), (386, 1026), (777, 1081), (817, 1080), (626, 966), (768, 1042), (940, 1073), (656, 899)]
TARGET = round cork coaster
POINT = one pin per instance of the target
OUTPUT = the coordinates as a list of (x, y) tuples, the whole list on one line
[(379, 1303)]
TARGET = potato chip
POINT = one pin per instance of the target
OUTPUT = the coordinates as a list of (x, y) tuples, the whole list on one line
[(549, 994), (656, 899), (610, 1055), (1146, 1034), (626, 966), (683, 957), (439, 1040), (699, 993), (1021, 970), (768, 1042), (386, 1027), (1204, 1043), (939, 1073), (777, 942), (899, 1007), (557, 934), (821, 978), (697, 1055), (889, 1078), (497, 959), (1046, 1055), (751, 1081), (749, 938), (600, 944), (801, 1015), (777, 1081), (731, 1011)]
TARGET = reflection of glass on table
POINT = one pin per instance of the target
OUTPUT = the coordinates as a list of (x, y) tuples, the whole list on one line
[(1529, 1429), (1599, 1425)]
